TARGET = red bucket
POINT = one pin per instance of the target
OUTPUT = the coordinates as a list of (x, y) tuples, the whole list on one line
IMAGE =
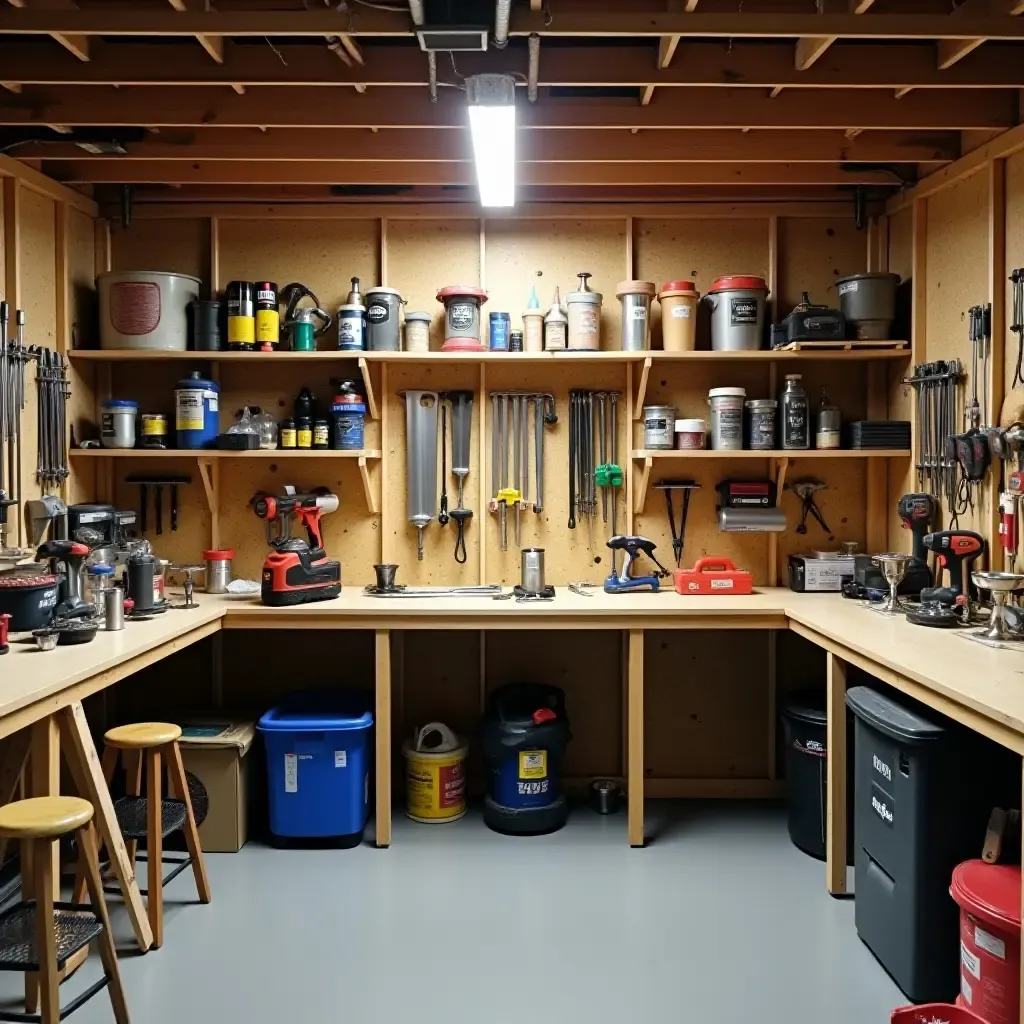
[(934, 1013), (989, 900)]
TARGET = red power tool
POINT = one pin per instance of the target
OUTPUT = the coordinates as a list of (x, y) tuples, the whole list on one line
[(297, 571)]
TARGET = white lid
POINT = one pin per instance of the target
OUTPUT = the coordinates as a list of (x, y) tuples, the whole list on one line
[(690, 427), (727, 393)]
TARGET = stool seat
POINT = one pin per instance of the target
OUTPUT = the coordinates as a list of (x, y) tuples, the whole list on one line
[(140, 735), (44, 817)]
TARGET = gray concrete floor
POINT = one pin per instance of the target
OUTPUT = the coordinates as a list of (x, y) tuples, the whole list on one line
[(719, 920)]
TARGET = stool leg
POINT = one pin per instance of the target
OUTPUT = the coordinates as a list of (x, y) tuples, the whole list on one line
[(28, 892), (109, 767), (91, 865), (155, 845), (179, 786), (133, 787), (46, 936)]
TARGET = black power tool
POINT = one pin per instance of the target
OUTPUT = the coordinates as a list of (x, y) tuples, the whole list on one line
[(957, 551), (917, 513)]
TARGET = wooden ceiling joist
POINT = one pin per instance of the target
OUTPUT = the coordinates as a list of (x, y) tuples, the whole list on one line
[(398, 108), (382, 23), (953, 50), (712, 65), (213, 45), (810, 48), (453, 145), (114, 171), (77, 45)]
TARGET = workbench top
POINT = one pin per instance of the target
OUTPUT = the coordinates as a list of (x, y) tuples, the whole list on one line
[(989, 681)]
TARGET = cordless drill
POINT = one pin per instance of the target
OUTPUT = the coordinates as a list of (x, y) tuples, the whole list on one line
[(623, 581), (917, 512), (957, 551), (297, 570)]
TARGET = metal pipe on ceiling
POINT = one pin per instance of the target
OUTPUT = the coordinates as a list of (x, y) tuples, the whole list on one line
[(432, 71), (502, 8), (416, 10), (533, 73)]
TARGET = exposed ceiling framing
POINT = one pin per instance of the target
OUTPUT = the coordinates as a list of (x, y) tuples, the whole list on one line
[(824, 95)]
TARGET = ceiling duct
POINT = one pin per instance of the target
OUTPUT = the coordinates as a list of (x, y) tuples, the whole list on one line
[(455, 25)]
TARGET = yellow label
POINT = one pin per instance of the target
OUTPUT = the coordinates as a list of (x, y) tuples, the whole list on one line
[(268, 326), (287, 438), (153, 427), (241, 330), (304, 438), (533, 764)]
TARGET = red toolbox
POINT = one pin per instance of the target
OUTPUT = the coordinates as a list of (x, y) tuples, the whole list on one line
[(714, 576)]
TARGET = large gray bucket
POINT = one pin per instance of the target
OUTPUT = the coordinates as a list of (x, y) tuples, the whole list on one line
[(868, 301)]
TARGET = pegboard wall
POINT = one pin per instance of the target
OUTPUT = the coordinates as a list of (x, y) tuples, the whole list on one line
[(417, 254)]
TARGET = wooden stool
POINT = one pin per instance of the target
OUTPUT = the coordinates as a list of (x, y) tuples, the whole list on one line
[(40, 935), (151, 817)]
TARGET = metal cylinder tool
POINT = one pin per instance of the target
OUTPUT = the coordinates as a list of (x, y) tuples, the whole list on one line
[(462, 424), (421, 459)]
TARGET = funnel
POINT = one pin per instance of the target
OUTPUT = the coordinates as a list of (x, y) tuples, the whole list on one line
[(1000, 585)]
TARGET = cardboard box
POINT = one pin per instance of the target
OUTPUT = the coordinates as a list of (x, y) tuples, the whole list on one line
[(216, 753)]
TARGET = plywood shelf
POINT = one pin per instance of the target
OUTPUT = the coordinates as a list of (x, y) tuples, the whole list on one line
[(213, 453), (434, 358)]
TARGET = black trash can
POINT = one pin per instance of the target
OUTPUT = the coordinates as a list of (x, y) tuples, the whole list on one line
[(923, 791), (523, 737), (805, 731)]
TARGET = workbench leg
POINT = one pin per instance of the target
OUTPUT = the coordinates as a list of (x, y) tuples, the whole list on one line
[(382, 728), (88, 775), (635, 752), (835, 838)]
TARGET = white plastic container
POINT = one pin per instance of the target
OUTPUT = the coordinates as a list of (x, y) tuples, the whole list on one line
[(726, 418), (145, 309)]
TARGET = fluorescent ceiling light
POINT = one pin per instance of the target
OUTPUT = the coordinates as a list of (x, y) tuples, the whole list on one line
[(492, 123)]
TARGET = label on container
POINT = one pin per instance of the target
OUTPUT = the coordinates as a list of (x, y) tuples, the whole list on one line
[(638, 313), (882, 804), (533, 764), (743, 312), (970, 962), (723, 584), (554, 336), (135, 307), (989, 942), (350, 331), (377, 313), (966, 991), (794, 423), (461, 316), (288, 437), (304, 438), (824, 574), (321, 435), (241, 330), (681, 312), (268, 326), (587, 321), (188, 410), (340, 758), (849, 286), (291, 773), (827, 439), (729, 431)]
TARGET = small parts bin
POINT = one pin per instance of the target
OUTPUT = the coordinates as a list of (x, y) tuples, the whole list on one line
[(923, 792), (989, 899), (523, 737), (934, 1013), (805, 732), (713, 576), (318, 765)]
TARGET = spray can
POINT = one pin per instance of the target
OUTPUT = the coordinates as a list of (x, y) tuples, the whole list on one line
[(268, 319), (555, 325), (241, 316)]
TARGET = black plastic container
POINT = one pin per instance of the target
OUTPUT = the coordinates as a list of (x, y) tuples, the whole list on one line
[(805, 732), (923, 791), (29, 600), (523, 737), (207, 329)]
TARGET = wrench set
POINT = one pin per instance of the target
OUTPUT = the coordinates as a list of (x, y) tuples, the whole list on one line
[(936, 386), (13, 357), (593, 448), (53, 390)]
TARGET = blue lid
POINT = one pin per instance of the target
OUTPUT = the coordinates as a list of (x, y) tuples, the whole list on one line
[(101, 569), (119, 403), (319, 710), (195, 380)]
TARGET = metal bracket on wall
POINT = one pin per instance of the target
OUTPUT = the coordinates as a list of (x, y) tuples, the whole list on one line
[(371, 483), (641, 391)]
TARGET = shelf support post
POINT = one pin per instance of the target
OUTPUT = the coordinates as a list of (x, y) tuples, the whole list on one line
[(641, 394), (640, 492), (371, 397)]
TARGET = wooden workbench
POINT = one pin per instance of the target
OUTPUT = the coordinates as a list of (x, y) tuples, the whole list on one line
[(978, 686)]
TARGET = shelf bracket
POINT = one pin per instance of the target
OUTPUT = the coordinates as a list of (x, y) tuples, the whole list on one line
[(371, 491), (371, 398), (640, 491), (781, 468), (641, 393), (209, 473)]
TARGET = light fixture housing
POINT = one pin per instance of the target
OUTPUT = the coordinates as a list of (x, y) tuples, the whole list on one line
[(492, 123)]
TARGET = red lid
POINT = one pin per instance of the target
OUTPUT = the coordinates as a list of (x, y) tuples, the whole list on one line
[(732, 281), (27, 581), (542, 715), (989, 891), (678, 286), (456, 291), (221, 555)]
